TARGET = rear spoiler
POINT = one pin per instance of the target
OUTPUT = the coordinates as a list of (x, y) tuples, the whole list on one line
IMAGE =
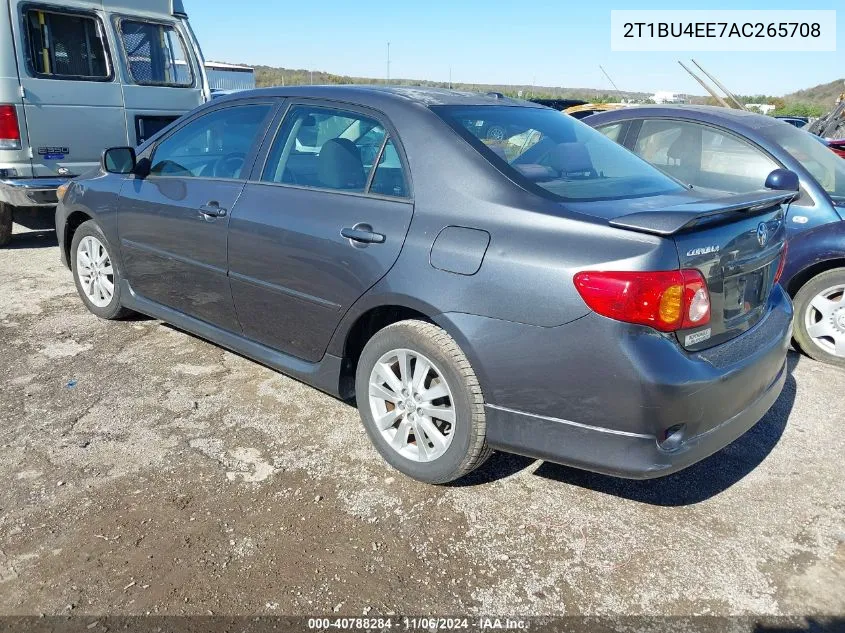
[(675, 219)]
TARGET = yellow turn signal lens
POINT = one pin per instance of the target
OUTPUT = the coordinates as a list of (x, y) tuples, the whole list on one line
[(62, 190), (671, 303)]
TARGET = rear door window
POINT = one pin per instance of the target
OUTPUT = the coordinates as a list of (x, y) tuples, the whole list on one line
[(63, 45), (703, 156), (215, 145), (155, 54), (327, 148)]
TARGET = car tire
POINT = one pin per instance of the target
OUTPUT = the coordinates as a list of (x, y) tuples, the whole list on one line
[(452, 446), (820, 317), (5, 224), (97, 283)]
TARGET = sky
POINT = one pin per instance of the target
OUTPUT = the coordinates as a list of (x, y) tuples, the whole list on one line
[(538, 42)]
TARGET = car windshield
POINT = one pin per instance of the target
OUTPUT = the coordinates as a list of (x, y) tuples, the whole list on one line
[(554, 155), (816, 157)]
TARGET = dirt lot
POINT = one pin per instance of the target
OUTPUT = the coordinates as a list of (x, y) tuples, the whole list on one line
[(147, 471)]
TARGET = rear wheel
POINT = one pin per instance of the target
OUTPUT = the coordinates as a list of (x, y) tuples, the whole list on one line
[(421, 403), (95, 272), (5, 224), (820, 317)]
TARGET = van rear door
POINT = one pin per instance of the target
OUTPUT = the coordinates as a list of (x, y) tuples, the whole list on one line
[(73, 102), (163, 76)]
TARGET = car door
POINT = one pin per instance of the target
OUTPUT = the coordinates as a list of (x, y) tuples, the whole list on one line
[(702, 155), (68, 81), (173, 222), (317, 226)]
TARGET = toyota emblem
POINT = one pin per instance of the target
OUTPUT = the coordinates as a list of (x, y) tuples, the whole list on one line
[(763, 234)]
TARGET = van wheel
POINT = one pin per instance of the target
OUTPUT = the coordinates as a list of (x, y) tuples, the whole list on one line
[(95, 272), (421, 403), (5, 224), (820, 317)]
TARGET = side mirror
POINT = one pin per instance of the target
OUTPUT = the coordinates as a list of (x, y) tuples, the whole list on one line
[(783, 180), (119, 160)]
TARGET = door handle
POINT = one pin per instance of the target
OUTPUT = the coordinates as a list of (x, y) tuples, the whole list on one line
[(212, 210), (362, 233)]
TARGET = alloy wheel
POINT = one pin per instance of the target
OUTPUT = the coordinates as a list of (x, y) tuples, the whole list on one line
[(412, 405), (824, 320), (95, 271)]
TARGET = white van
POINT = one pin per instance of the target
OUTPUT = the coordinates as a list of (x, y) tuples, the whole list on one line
[(79, 76)]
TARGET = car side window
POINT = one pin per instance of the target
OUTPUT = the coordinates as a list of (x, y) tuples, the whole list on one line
[(66, 46), (333, 149), (611, 131), (213, 146), (389, 179), (703, 156)]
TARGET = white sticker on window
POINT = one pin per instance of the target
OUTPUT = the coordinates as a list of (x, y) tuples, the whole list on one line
[(698, 337)]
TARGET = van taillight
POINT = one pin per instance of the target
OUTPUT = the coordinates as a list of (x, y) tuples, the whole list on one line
[(10, 133), (667, 300)]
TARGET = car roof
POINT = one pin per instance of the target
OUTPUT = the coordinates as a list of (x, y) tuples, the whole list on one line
[(712, 114), (373, 95)]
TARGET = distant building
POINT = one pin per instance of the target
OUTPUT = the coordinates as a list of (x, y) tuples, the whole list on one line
[(668, 97), (762, 108), (226, 77)]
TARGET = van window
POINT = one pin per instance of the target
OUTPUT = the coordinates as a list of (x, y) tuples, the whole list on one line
[(65, 45), (155, 54)]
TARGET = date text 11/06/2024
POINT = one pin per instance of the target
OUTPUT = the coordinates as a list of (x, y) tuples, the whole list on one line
[(418, 624)]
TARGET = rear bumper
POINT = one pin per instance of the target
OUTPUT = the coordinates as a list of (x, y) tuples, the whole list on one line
[(600, 395), (30, 192)]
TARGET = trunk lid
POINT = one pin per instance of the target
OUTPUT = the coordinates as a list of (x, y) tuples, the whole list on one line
[(737, 243)]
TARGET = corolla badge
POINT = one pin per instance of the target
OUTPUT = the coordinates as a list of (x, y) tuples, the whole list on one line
[(763, 234), (704, 250)]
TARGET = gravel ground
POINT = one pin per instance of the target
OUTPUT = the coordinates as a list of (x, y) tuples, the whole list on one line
[(148, 471)]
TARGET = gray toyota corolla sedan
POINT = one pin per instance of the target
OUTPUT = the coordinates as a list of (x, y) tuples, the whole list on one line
[(541, 290)]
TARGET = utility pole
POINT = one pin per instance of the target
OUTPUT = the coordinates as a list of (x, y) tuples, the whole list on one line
[(388, 63), (312, 77), (450, 77)]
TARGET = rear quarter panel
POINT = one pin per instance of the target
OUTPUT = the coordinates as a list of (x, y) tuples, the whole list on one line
[(825, 243)]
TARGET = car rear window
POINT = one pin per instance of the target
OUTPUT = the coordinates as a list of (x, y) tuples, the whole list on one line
[(555, 155)]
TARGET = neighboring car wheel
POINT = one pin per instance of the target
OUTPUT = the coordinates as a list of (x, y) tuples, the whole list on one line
[(95, 273), (820, 317), (5, 224), (421, 403)]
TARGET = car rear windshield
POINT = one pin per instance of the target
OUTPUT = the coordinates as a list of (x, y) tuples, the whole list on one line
[(816, 157), (155, 54), (554, 155)]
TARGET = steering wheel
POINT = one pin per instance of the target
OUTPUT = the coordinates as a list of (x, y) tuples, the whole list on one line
[(230, 165)]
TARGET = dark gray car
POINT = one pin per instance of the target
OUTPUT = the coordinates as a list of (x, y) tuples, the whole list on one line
[(546, 292)]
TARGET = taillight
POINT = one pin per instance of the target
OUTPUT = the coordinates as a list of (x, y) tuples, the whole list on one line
[(667, 300), (10, 133), (782, 263)]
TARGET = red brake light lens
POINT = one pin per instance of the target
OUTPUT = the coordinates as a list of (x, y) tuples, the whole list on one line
[(10, 134), (782, 263), (667, 300)]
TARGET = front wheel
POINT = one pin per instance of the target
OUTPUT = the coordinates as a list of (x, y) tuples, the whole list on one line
[(820, 317), (421, 403), (5, 224), (95, 272)]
